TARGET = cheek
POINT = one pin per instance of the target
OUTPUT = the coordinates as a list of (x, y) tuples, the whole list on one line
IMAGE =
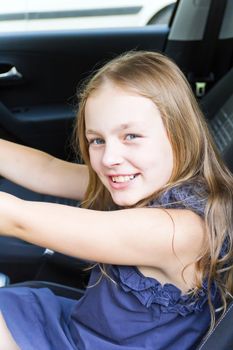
[(159, 155), (94, 160)]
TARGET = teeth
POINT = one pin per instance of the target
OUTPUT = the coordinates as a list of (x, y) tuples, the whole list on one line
[(123, 178)]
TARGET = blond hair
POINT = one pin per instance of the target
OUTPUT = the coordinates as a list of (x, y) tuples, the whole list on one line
[(156, 77)]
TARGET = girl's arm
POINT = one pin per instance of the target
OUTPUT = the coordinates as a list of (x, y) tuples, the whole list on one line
[(140, 236), (41, 172)]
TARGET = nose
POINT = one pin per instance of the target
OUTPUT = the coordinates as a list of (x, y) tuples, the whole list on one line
[(112, 154)]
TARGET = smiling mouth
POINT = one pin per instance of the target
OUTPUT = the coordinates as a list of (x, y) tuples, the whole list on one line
[(122, 179)]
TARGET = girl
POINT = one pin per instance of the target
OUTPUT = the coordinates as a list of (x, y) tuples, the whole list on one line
[(158, 224)]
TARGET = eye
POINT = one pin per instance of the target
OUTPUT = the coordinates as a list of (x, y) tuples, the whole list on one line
[(96, 141), (130, 137)]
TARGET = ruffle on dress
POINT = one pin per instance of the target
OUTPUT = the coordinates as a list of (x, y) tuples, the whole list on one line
[(169, 297)]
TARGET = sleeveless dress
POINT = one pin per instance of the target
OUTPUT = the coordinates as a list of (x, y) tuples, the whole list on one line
[(133, 313)]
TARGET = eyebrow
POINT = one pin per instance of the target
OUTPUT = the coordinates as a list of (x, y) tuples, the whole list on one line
[(121, 127)]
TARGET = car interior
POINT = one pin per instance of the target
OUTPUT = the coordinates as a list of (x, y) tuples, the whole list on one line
[(38, 104)]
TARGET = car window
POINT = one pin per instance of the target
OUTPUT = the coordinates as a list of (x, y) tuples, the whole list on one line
[(33, 15)]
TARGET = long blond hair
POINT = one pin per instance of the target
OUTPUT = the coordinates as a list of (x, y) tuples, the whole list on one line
[(156, 77)]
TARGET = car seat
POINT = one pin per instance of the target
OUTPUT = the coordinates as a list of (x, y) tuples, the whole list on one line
[(218, 109), (221, 338)]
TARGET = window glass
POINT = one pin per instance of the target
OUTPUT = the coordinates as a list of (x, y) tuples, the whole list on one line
[(30, 15)]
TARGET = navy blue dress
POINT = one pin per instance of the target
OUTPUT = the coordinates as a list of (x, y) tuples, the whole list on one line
[(133, 313)]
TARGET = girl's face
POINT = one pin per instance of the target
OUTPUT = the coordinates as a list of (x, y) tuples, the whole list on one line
[(128, 144)]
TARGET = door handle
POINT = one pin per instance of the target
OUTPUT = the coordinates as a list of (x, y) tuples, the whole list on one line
[(11, 74)]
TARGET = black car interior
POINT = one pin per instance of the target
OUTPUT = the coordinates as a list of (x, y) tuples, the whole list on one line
[(40, 103)]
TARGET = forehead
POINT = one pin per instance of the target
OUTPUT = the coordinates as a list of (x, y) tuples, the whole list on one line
[(115, 106)]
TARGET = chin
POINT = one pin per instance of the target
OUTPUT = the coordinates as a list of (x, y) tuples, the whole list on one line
[(125, 202)]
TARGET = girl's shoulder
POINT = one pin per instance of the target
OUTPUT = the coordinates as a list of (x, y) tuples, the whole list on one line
[(192, 195)]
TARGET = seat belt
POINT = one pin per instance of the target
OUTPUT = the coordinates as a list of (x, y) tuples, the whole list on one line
[(205, 75)]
